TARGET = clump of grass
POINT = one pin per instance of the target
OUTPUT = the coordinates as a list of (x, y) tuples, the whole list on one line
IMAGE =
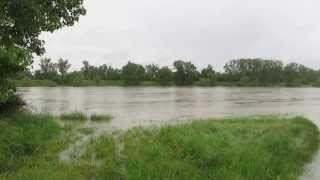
[(240, 148), (30, 145), (100, 117), (79, 116), (86, 131), (24, 135)]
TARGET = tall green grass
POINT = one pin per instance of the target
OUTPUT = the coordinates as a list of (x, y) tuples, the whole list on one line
[(240, 148), (77, 116), (23, 135), (100, 117), (30, 145)]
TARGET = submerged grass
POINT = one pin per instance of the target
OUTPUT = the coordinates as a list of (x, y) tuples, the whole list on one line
[(231, 149), (86, 131), (30, 145), (100, 117), (241, 148), (78, 116)]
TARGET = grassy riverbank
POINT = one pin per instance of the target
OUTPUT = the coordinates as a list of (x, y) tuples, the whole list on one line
[(256, 148), (238, 148)]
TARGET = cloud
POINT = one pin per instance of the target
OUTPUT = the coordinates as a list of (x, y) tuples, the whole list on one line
[(205, 32)]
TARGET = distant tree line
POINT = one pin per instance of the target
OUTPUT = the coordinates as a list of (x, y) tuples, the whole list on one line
[(241, 72)]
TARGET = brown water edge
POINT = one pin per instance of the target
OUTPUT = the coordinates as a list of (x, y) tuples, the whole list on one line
[(312, 170)]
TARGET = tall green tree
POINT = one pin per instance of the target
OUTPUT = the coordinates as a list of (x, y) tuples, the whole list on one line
[(63, 67), (164, 76), (208, 71), (21, 23), (106, 72), (48, 70), (186, 73), (88, 71), (133, 74), (47, 66), (297, 74), (151, 72), (259, 71), (208, 74)]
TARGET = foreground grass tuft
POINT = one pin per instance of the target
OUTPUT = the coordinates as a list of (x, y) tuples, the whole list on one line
[(100, 117), (74, 116), (24, 135), (240, 148), (30, 145)]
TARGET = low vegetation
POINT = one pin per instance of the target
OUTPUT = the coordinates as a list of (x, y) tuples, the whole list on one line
[(24, 135), (237, 148), (100, 117), (30, 145), (240, 148), (77, 116)]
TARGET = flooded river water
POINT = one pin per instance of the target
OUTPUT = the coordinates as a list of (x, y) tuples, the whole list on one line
[(144, 105)]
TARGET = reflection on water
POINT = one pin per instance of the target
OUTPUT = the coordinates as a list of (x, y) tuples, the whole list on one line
[(142, 105)]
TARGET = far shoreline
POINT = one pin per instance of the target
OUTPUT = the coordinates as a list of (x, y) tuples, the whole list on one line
[(119, 83)]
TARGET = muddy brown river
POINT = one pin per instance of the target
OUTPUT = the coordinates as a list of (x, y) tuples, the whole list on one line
[(143, 105)]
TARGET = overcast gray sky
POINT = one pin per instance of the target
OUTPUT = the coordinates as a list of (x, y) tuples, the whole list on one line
[(203, 31)]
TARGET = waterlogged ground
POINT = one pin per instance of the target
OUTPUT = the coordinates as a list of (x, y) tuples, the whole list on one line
[(140, 106)]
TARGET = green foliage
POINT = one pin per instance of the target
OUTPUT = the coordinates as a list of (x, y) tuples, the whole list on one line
[(207, 72), (21, 23), (100, 117), (297, 74), (12, 61), (105, 149), (164, 76), (238, 148), (208, 77), (63, 67), (48, 70), (23, 135), (206, 82), (242, 72), (12, 103), (77, 116), (263, 71), (30, 145), (106, 72), (186, 73), (133, 74), (151, 72)]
